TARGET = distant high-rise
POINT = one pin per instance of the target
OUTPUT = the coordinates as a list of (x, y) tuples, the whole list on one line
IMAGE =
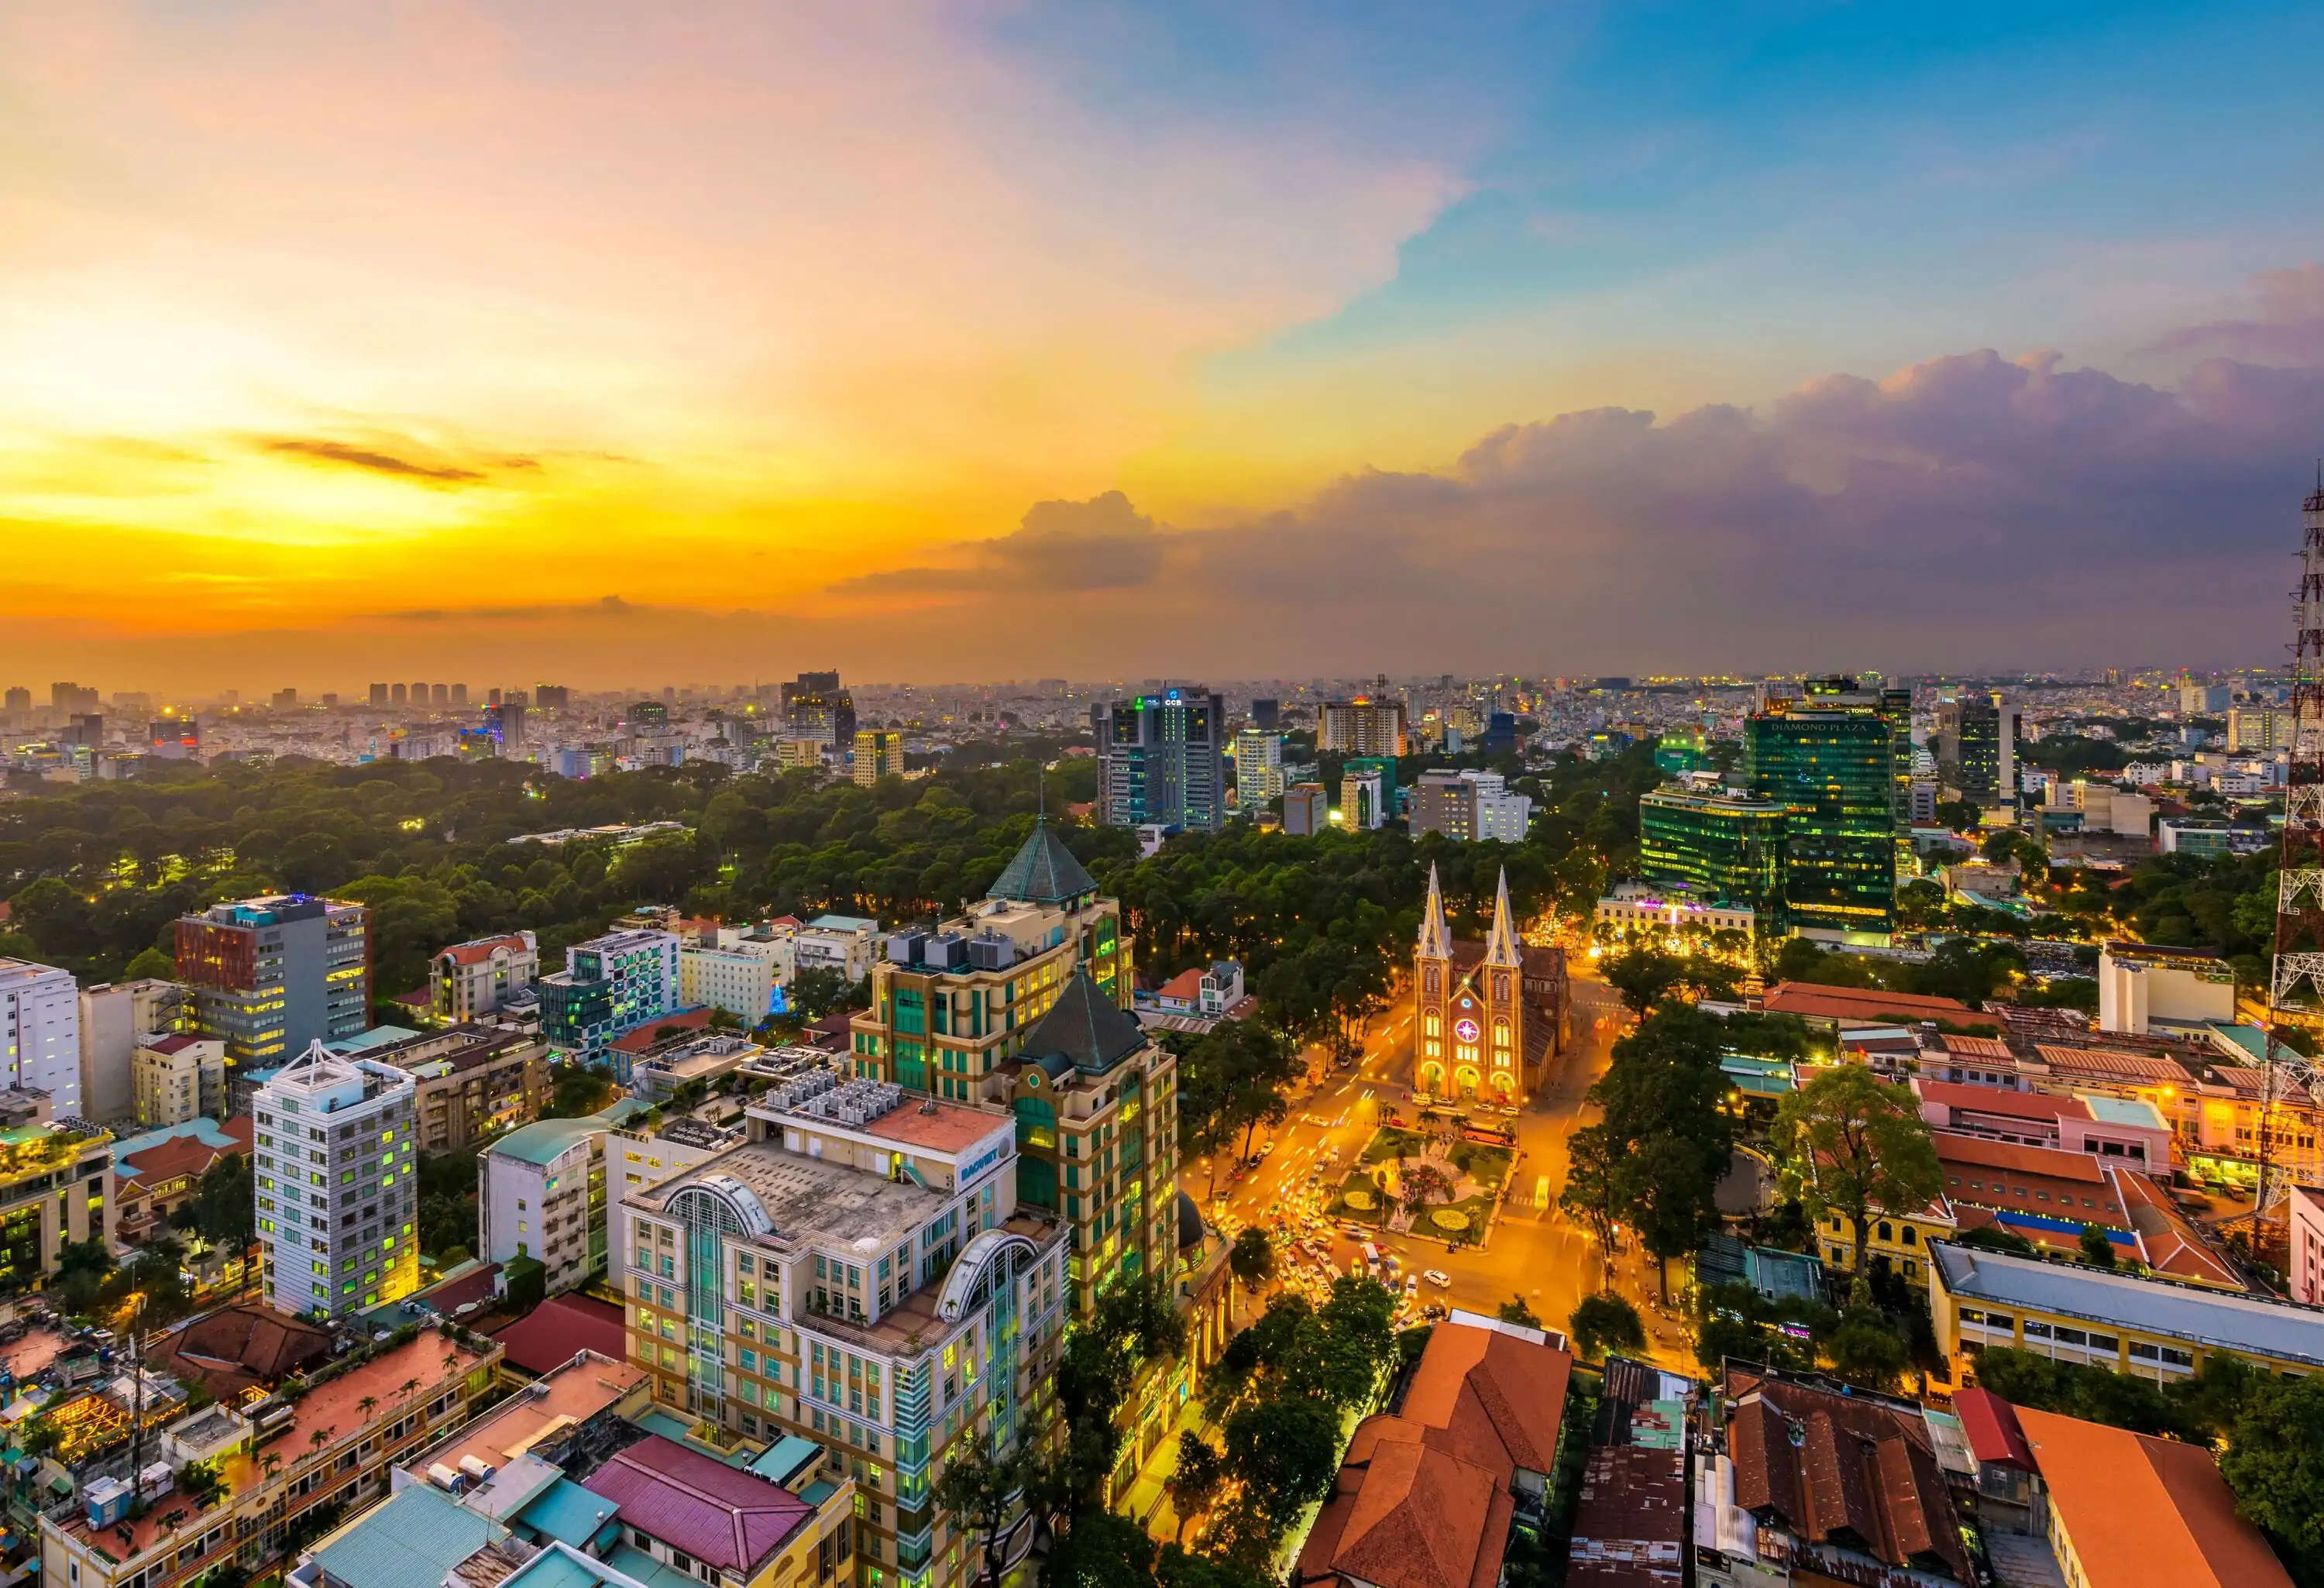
[(1161, 759), (879, 754), (648, 713), (441, 694), (814, 707), (18, 698), (419, 694), (1365, 726), (284, 699), (1975, 747), (1267, 715), (552, 697), (72, 698), (1258, 767), (492, 697), (176, 738), (379, 694), (505, 723), (460, 696), (398, 694)]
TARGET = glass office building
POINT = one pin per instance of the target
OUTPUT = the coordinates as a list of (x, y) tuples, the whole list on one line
[(1716, 848), (1831, 763)]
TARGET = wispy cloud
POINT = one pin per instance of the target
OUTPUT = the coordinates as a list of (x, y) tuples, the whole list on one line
[(377, 461)]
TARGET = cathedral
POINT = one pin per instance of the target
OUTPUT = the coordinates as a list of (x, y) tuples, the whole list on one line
[(1490, 1015)]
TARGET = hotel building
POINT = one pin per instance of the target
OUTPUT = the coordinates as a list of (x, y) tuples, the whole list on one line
[(1022, 1005), (858, 1274)]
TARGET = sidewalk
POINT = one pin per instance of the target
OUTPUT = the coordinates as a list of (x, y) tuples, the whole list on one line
[(1148, 1503)]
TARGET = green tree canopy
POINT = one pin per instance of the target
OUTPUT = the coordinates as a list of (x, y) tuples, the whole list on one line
[(1851, 1142)]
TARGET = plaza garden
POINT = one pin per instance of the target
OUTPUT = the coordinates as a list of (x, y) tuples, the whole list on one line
[(1434, 1186)]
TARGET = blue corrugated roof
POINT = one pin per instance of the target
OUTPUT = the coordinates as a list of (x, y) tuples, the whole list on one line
[(416, 1537), (568, 1512)]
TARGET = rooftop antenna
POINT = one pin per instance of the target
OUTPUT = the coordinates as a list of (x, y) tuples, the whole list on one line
[(2297, 973)]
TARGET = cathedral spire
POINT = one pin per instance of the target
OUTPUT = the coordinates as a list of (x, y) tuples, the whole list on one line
[(1502, 942), (1435, 937)]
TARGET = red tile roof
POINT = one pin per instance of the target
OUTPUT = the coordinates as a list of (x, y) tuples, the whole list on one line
[(1424, 1498), (2022, 1105), (1842, 1470), (1862, 1004), (550, 1335), (730, 1519), (1187, 984), (647, 1035), (483, 949), (1991, 1424)]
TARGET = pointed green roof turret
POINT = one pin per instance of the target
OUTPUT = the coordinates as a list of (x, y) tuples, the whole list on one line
[(1044, 871), (1086, 1028)]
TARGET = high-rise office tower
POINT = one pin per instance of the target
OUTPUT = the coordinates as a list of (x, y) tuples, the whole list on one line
[(1977, 748), (338, 1184), (1267, 715), (1161, 759), (379, 694), (18, 699), (398, 692), (552, 697), (419, 694), (40, 1032), (459, 695), (441, 695), (270, 976), (1829, 760)]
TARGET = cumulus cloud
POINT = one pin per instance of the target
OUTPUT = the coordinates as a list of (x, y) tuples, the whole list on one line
[(1970, 510), (1101, 544)]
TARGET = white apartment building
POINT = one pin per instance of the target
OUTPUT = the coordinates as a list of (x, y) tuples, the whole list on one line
[(847, 943), (1258, 767), (177, 1078), (337, 1169), (541, 1194), (1470, 805), (739, 974), (472, 981), (115, 1017), (40, 1033)]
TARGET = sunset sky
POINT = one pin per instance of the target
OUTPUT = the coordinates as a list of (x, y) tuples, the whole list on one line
[(688, 342)]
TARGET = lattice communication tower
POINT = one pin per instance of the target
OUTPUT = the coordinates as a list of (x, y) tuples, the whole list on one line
[(2296, 985)]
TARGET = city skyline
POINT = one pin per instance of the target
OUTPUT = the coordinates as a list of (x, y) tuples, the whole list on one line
[(1538, 342)]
